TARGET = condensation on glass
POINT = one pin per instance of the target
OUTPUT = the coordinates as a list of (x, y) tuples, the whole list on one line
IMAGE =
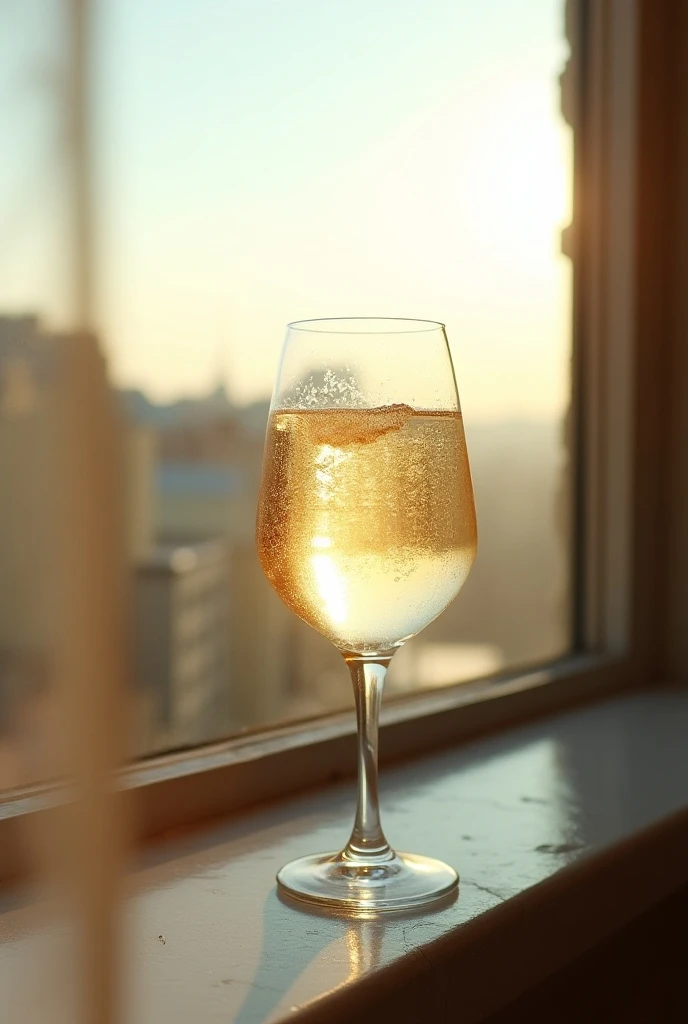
[(252, 165)]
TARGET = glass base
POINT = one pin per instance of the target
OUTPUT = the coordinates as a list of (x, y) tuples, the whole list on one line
[(402, 881)]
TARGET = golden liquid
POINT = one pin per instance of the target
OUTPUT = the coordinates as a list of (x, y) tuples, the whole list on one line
[(366, 525)]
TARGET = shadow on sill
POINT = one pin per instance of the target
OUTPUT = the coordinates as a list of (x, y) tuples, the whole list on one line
[(636, 976)]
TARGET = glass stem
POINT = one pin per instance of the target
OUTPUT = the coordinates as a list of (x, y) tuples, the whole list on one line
[(367, 840)]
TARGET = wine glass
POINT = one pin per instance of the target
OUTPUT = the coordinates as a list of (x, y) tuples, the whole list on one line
[(366, 529)]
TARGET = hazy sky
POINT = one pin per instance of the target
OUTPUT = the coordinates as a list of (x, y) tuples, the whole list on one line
[(261, 161)]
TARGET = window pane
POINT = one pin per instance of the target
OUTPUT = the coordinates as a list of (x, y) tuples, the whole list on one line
[(260, 162)]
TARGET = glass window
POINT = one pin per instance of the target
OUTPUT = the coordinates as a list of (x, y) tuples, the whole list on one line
[(257, 162)]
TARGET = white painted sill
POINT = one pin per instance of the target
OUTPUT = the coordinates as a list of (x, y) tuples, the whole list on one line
[(562, 831)]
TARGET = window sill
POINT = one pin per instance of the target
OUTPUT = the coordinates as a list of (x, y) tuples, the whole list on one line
[(563, 831), (177, 790)]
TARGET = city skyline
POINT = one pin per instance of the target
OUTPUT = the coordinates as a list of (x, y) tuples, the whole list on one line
[(191, 473)]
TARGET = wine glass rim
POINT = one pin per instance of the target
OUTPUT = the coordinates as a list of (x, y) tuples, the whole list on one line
[(336, 325)]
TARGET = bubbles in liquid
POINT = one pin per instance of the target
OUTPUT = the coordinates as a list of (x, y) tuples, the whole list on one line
[(366, 524)]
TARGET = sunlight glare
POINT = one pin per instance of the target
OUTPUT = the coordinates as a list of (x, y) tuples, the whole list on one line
[(331, 587)]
